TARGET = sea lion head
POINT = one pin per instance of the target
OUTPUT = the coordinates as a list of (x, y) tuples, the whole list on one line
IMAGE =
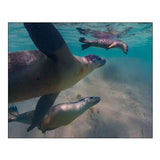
[(124, 48), (88, 102), (88, 64), (94, 61)]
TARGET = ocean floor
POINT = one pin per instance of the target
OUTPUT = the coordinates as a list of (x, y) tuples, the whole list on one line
[(125, 109)]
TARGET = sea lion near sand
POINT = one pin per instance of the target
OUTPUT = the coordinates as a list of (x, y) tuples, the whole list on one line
[(47, 71), (101, 34), (104, 43), (57, 116)]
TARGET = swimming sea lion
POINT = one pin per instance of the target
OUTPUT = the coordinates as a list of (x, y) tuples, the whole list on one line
[(105, 43), (101, 34), (57, 116), (47, 71)]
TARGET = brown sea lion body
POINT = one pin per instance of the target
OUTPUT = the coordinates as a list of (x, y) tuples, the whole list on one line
[(104, 43), (57, 116), (33, 74)]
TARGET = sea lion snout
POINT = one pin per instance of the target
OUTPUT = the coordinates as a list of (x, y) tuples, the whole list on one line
[(90, 101), (96, 60), (103, 61), (95, 100)]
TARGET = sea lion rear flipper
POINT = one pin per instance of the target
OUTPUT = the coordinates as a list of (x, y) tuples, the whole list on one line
[(13, 110), (85, 46), (46, 37), (13, 113), (42, 107)]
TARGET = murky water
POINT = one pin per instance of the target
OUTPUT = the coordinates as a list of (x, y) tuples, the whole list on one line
[(124, 84)]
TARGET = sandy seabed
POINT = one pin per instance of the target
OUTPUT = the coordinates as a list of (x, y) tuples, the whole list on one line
[(125, 109)]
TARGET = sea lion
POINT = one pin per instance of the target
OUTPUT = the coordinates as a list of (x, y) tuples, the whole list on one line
[(101, 34), (104, 43), (47, 71), (57, 116)]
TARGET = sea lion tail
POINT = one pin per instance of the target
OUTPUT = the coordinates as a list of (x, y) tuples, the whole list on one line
[(11, 118), (85, 46), (13, 113), (82, 39)]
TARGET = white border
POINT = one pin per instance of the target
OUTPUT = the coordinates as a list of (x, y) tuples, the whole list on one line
[(78, 11)]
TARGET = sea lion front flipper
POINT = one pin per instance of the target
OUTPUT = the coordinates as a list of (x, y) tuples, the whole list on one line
[(42, 107), (126, 30), (49, 41), (111, 30), (46, 37), (112, 45), (44, 131)]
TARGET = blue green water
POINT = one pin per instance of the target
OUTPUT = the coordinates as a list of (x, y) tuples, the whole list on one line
[(134, 69), (139, 40)]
